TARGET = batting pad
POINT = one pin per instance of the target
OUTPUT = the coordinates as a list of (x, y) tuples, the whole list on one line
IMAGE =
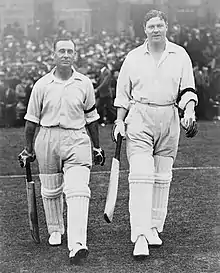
[(77, 219), (140, 204), (52, 196), (77, 193), (163, 177), (141, 180)]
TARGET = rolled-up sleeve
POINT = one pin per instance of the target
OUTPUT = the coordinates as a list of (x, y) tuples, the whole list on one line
[(187, 90), (35, 104), (123, 88), (90, 111)]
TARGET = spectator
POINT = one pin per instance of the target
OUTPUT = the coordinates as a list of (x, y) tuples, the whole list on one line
[(9, 104), (103, 94), (33, 56)]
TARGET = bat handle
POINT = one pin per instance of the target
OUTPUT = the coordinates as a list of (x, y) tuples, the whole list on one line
[(118, 147), (28, 172)]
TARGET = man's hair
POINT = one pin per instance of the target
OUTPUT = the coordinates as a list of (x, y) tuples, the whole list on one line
[(155, 13), (62, 39)]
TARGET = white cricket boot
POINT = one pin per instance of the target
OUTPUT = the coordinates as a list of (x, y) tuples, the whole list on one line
[(141, 247), (55, 238), (154, 239), (78, 253)]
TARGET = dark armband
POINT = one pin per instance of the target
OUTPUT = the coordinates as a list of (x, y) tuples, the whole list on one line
[(184, 96), (184, 91), (90, 110)]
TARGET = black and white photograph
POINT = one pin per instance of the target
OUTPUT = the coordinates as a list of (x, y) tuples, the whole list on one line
[(110, 136)]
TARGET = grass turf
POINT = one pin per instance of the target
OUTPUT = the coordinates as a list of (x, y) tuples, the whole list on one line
[(191, 236)]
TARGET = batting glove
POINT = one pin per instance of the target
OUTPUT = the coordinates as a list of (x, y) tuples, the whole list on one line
[(189, 124), (118, 127), (24, 157), (99, 156)]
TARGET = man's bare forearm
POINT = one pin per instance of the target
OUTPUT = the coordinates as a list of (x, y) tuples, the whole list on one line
[(121, 113), (93, 129), (29, 131)]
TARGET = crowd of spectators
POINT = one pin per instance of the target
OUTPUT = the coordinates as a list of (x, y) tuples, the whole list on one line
[(203, 46), (23, 61)]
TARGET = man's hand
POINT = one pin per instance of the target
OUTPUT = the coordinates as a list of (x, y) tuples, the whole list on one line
[(192, 131), (189, 124), (119, 127), (25, 157), (99, 156)]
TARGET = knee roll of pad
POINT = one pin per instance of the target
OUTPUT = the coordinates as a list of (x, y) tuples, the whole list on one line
[(141, 178), (54, 193), (51, 185), (83, 193), (163, 177)]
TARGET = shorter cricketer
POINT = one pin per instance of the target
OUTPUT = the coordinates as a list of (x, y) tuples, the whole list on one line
[(63, 104)]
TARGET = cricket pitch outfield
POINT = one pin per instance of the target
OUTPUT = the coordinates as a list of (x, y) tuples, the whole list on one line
[(192, 230)]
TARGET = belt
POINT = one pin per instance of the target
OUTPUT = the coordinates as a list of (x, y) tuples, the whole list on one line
[(145, 101), (59, 127)]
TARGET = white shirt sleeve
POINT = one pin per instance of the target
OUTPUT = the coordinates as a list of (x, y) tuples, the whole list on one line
[(90, 111), (187, 83), (35, 104), (123, 88)]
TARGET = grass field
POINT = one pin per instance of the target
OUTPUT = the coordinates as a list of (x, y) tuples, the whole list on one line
[(192, 231)]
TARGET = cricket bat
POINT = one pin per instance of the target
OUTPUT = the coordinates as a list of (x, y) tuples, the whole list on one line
[(113, 183), (32, 205)]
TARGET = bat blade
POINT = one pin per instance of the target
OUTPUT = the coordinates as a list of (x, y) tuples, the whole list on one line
[(112, 191), (32, 211), (32, 205), (113, 183)]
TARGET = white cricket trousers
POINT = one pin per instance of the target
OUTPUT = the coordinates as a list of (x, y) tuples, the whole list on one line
[(152, 134), (64, 158)]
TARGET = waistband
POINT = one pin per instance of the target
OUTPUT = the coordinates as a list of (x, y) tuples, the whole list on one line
[(146, 101), (61, 128)]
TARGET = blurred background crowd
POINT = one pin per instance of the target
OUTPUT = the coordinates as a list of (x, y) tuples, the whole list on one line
[(25, 57)]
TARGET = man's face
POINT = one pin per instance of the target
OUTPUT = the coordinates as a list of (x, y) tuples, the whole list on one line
[(64, 53), (156, 30)]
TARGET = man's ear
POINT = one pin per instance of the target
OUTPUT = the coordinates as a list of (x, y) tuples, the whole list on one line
[(53, 55), (75, 56), (144, 29)]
